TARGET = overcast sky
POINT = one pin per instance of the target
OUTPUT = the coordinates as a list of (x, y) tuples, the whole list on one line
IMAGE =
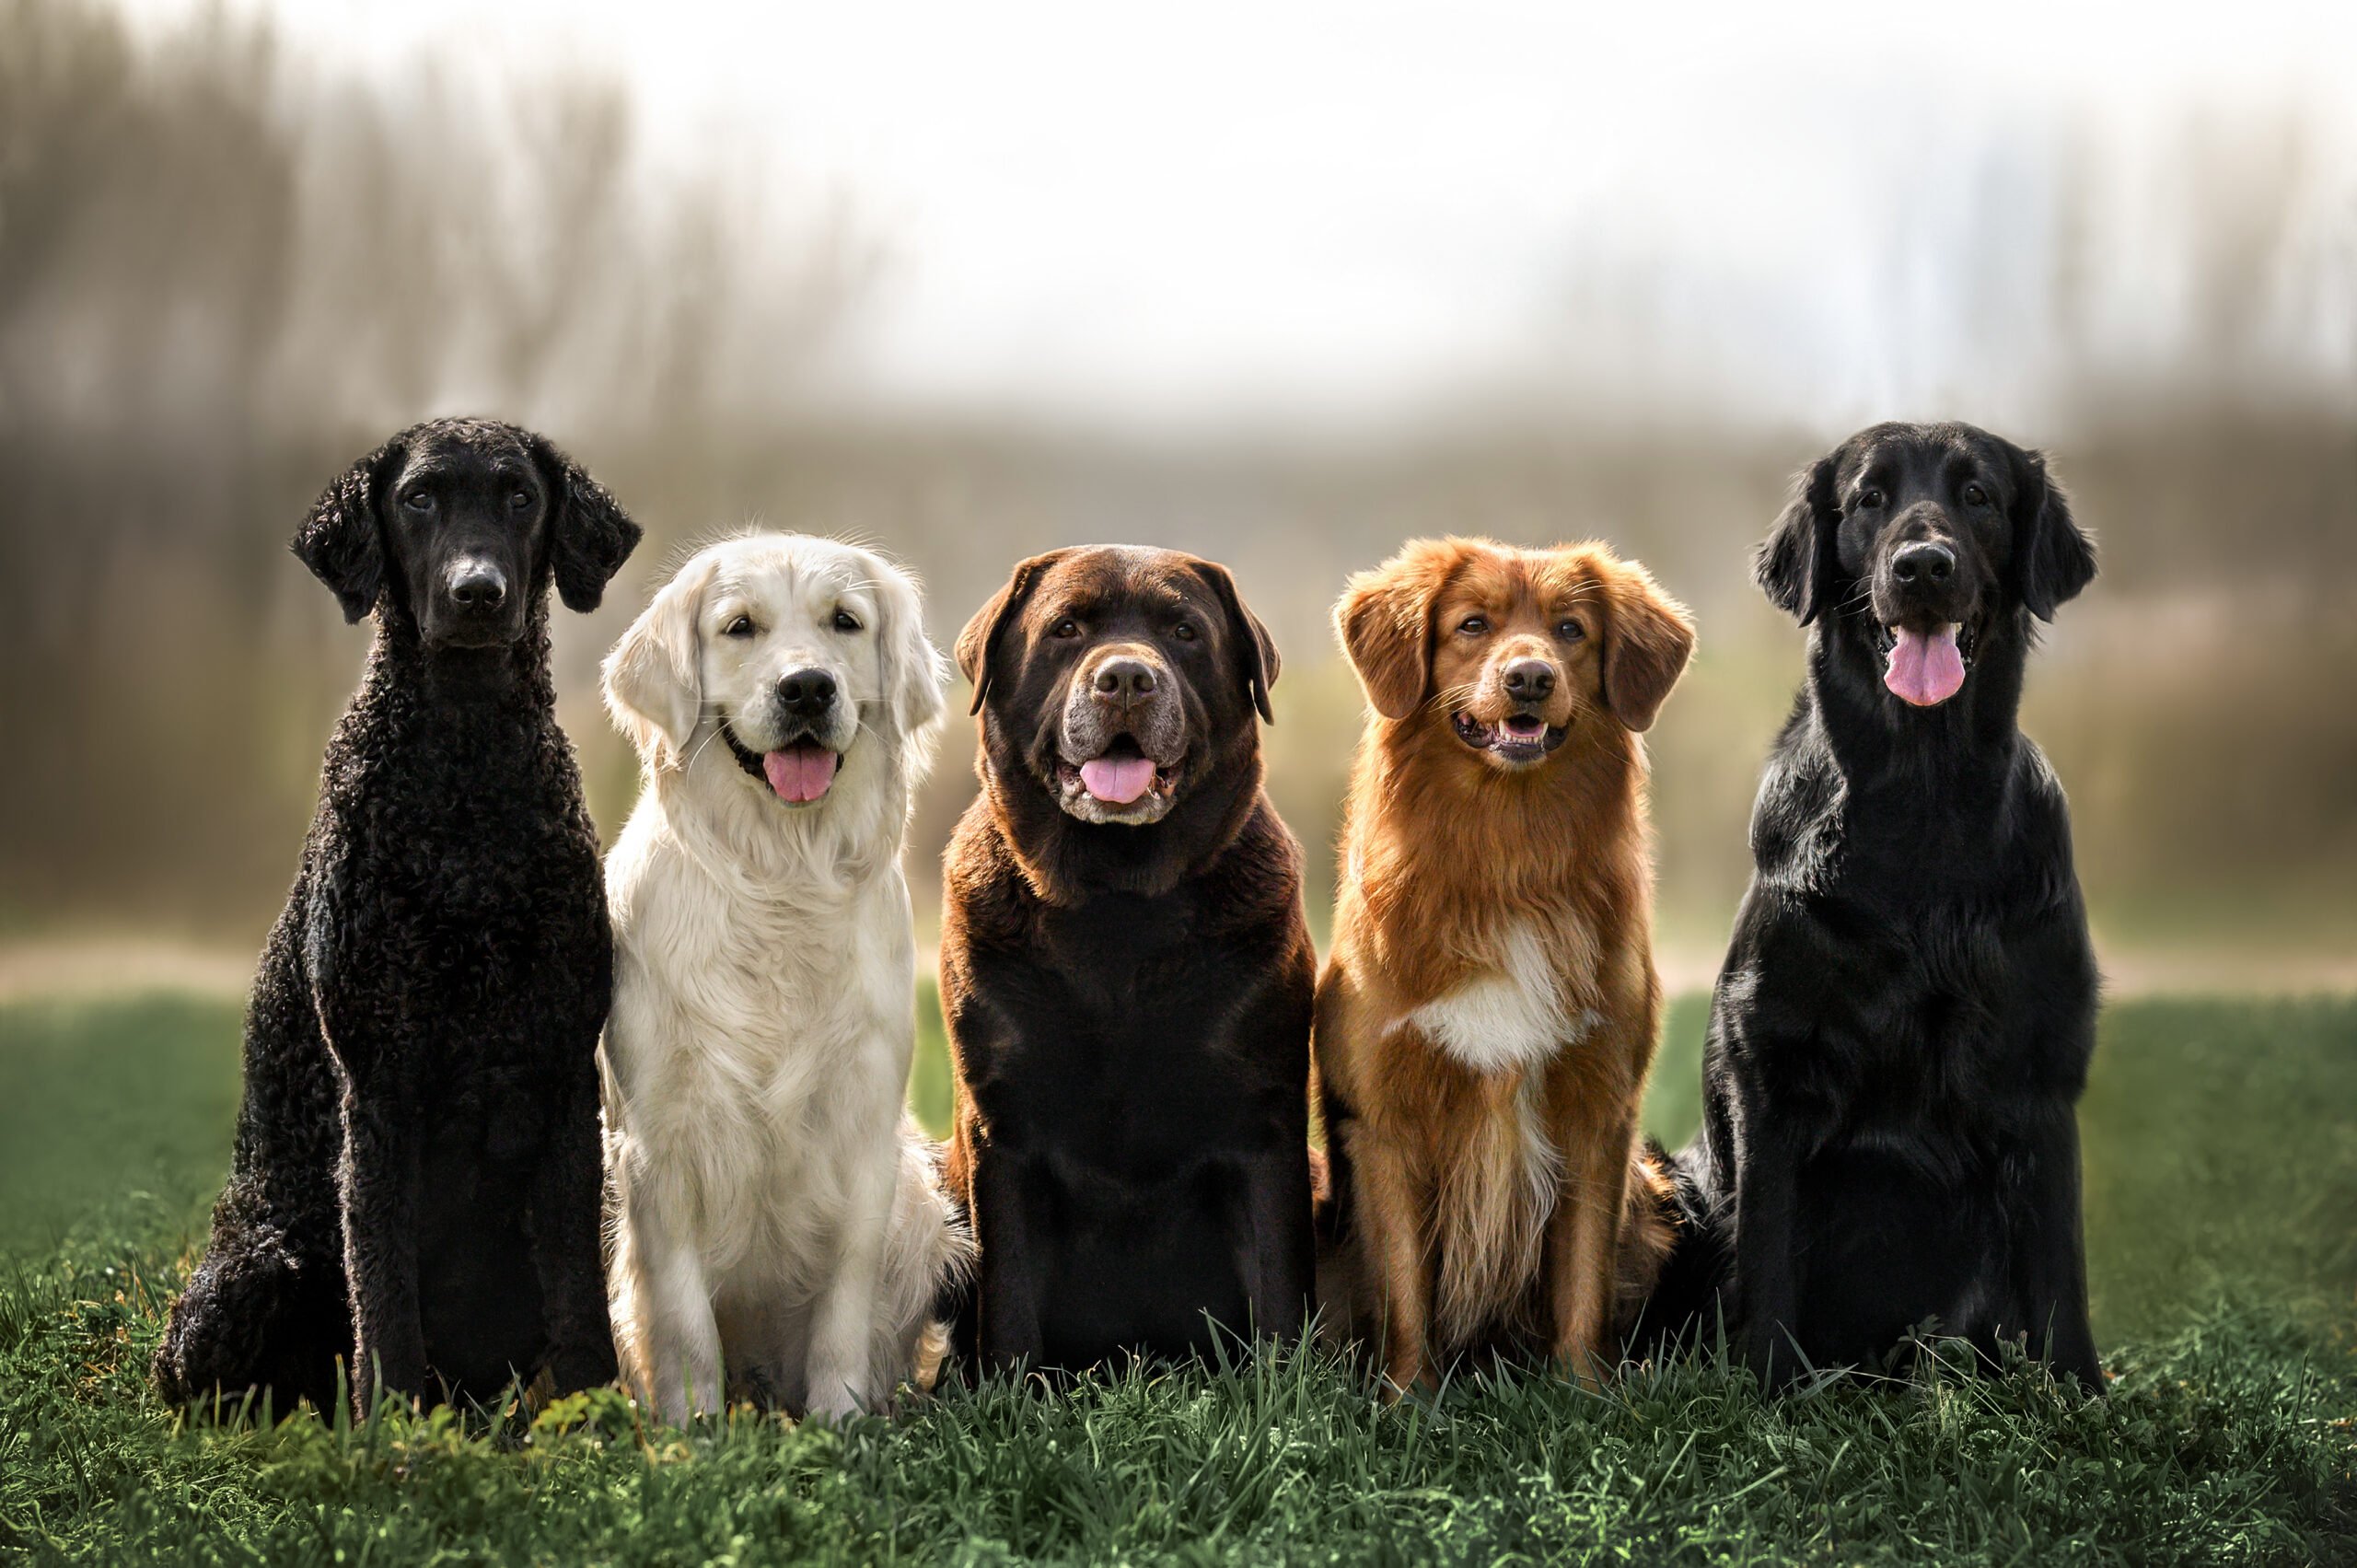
[(1169, 212)]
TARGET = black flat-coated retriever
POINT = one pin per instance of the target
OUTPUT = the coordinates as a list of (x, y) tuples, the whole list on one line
[(416, 1188), (1903, 1025)]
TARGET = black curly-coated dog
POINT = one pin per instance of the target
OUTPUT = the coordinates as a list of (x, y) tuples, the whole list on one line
[(416, 1187)]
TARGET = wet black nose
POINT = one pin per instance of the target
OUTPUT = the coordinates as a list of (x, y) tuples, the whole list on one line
[(1530, 680), (1125, 678), (807, 693), (1923, 562), (477, 586)]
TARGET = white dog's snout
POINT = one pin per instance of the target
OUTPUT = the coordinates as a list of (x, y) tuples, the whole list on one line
[(807, 697)]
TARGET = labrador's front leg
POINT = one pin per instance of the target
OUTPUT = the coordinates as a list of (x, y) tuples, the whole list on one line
[(1015, 1253), (1276, 1255)]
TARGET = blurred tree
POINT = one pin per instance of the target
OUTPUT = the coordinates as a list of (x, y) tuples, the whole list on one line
[(224, 272)]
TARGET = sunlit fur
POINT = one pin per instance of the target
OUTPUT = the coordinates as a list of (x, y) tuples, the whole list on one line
[(1488, 1014), (778, 1229)]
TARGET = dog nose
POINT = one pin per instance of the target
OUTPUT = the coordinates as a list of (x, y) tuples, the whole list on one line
[(1923, 562), (1127, 678), (477, 586), (1530, 680), (805, 693)]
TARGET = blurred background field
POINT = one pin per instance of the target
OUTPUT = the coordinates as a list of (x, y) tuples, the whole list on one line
[(1427, 275)]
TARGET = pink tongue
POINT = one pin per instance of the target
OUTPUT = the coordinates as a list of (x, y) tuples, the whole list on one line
[(800, 774), (1926, 668), (1118, 780)]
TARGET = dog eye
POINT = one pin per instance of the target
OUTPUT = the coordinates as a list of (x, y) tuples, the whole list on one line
[(1184, 630), (846, 621), (741, 627), (1975, 497), (520, 499), (1571, 630), (419, 501), (1066, 629), (1474, 625), (1869, 500)]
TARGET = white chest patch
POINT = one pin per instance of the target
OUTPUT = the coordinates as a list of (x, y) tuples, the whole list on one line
[(1511, 1017)]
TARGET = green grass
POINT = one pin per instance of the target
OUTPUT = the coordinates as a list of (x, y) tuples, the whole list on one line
[(2222, 1202), (931, 1079), (115, 1118)]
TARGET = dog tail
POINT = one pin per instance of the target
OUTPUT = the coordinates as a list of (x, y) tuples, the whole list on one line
[(1673, 1255), (1650, 1220), (929, 1262)]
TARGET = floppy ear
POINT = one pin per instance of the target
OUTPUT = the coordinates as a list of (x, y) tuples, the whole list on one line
[(2053, 557), (914, 671), (1795, 564), (1647, 639), (338, 542), (978, 641), (1383, 619), (654, 676), (1261, 662), (590, 536)]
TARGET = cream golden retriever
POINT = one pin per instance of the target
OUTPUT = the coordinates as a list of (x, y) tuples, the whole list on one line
[(779, 1230)]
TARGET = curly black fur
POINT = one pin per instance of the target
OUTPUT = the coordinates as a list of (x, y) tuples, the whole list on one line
[(416, 1186)]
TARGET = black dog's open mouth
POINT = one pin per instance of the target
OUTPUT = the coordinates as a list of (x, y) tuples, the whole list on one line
[(1926, 668), (1967, 638), (1518, 738), (798, 772), (1120, 778)]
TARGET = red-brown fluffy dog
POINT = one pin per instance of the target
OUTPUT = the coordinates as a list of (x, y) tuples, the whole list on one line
[(1488, 1012)]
